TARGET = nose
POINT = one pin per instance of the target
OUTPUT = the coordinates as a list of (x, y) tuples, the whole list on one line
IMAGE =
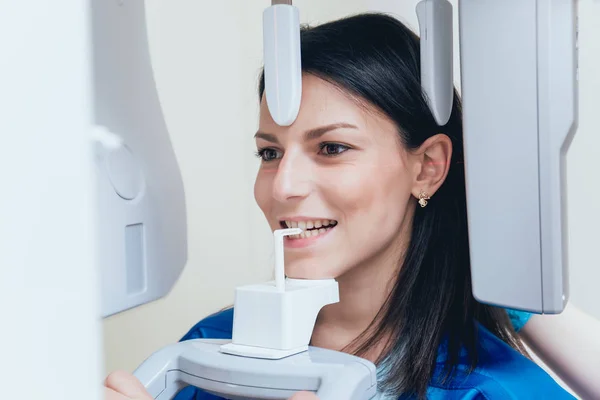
[(293, 179)]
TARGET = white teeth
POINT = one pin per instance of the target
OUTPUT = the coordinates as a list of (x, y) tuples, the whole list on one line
[(311, 228)]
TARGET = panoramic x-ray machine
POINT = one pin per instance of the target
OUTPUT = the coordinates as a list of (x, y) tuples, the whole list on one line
[(120, 212)]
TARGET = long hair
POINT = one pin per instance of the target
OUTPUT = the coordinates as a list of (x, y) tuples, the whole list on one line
[(376, 59)]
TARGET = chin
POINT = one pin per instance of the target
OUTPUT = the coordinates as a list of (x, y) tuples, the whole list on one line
[(303, 270)]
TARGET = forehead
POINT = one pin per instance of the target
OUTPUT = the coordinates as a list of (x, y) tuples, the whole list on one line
[(322, 104)]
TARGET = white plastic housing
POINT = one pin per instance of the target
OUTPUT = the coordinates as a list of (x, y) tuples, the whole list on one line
[(48, 286), (332, 375), (435, 26), (276, 324), (142, 233), (282, 58), (519, 88)]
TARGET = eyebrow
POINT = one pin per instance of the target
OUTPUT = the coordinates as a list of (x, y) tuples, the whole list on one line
[(311, 134)]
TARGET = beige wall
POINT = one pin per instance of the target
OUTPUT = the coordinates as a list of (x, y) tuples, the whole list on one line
[(584, 168), (206, 57)]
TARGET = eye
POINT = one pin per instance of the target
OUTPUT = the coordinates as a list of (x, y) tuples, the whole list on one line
[(268, 154), (333, 149)]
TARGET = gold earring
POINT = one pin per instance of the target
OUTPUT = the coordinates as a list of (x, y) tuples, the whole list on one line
[(423, 197)]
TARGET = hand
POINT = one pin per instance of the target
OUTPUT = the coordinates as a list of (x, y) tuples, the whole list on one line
[(121, 385), (304, 396)]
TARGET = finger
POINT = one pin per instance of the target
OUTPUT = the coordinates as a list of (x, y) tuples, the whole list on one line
[(304, 396), (125, 383), (110, 394)]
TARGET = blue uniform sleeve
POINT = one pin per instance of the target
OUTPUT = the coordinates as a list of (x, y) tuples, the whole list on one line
[(518, 318), (191, 393), (502, 373)]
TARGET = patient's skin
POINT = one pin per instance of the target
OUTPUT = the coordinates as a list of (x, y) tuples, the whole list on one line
[(568, 343), (359, 176)]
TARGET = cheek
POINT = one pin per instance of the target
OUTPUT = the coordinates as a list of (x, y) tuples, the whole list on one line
[(262, 191), (370, 192), (372, 205)]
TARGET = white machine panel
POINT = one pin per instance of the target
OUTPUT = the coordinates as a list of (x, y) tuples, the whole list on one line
[(48, 287), (142, 211), (519, 88)]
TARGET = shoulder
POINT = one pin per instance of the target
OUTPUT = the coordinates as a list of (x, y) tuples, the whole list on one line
[(215, 326), (501, 373)]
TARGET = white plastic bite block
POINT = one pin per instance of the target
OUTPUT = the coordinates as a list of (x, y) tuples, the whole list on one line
[(282, 320)]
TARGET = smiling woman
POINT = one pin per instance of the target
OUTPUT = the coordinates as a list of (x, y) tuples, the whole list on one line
[(380, 189), (340, 161)]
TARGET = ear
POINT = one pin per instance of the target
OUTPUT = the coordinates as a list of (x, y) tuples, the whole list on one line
[(431, 164)]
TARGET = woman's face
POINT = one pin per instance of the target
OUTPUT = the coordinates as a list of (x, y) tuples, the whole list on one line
[(339, 173)]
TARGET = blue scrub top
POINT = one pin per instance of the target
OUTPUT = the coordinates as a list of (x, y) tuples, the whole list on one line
[(502, 372), (518, 318)]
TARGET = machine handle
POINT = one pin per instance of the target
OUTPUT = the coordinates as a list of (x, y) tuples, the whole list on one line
[(166, 372), (349, 384), (152, 373)]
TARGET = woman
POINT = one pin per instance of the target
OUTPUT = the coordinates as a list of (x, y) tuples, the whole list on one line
[(379, 189)]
